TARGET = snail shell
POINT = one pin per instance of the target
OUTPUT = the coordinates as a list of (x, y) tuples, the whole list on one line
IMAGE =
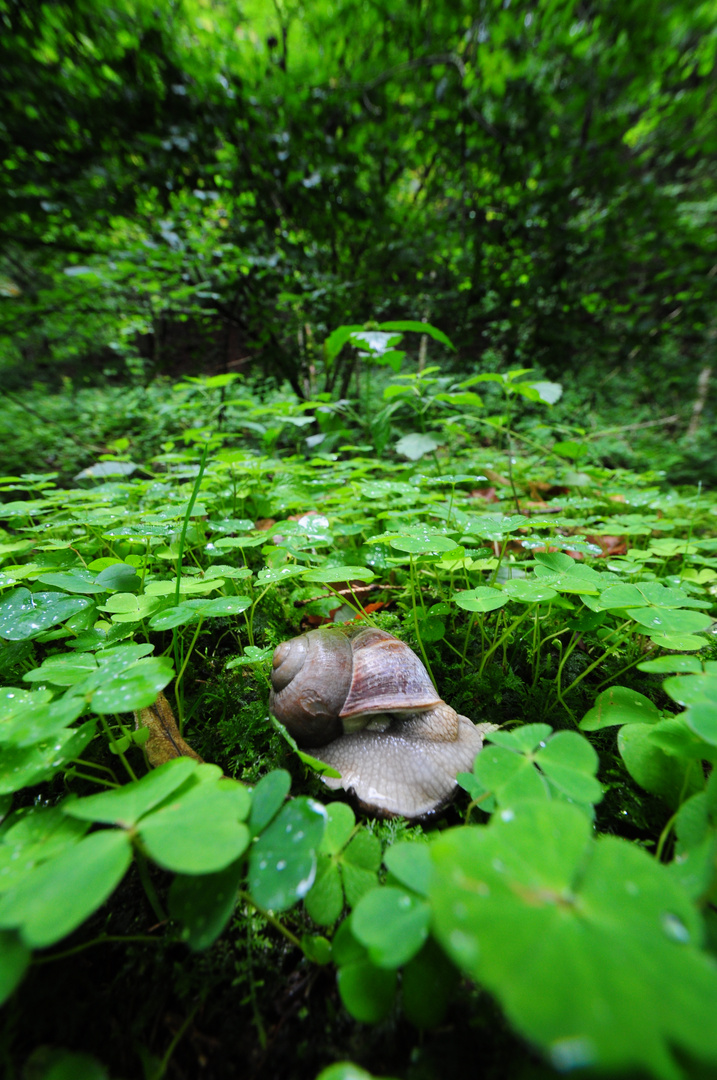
[(366, 706)]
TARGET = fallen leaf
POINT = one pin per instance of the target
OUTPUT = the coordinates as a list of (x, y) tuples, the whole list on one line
[(164, 742), (611, 545), (496, 477)]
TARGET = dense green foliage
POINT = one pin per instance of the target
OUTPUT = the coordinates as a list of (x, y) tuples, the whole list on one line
[(531, 614), (400, 313), (537, 178)]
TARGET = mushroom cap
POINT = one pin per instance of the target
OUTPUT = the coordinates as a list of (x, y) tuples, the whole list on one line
[(410, 767), (387, 677), (310, 679)]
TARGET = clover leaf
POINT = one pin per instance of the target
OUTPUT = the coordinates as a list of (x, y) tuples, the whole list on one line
[(533, 763), (569, 931)]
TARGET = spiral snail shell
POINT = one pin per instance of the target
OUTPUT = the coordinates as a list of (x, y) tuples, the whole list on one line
[(365, 705)]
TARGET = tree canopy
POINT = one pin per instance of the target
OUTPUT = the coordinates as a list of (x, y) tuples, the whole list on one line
[(535, 177)]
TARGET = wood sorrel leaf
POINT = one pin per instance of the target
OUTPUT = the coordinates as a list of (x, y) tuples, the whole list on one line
[(126, 805), (619, 705), (569, 932), (656, 771), (338, 574), (41, 833), (201, 829), (666, 665), (367, 991), (282, 862), (484, 598), (528, 592), (73, 581), (267, 799), (23, 766), (204, 903), (410, 863), (35, 721), (135, 687), (62, 670), (14, 962), (666, 621), (60, 894), (392, 925), (24, 614), (533, 763)]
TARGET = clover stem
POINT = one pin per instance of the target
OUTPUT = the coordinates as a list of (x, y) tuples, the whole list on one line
[(617, 674), (597, 662), (415, 623), (185, 523), (500, 560), (113, 743), (504, 636), (148, 884), (467, 639), (271, 919), (664, 837), (536, 649), (102, 939), (164, 1063), (180, 697), (93, 779)]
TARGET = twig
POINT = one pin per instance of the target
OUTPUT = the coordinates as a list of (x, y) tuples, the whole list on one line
[(347, 592), (633, 427)]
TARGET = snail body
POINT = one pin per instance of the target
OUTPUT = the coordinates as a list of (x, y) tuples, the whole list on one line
[(365, 705)]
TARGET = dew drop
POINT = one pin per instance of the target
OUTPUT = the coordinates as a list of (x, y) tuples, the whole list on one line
[(675, 928), (572, 1053), (281, 865), (507, 815), (465, 946)]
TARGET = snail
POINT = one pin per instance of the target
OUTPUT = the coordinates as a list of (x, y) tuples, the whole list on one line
[(365, 705)]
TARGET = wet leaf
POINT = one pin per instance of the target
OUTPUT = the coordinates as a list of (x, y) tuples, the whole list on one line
[(24, 614), (267, 798), (619, 705), (204, 903), (392, 925), (126, 805), (14, 961), (282, 862), (135, 687), (569, 932), (199, 831), (483, 598), (24, 766), (61, 893)]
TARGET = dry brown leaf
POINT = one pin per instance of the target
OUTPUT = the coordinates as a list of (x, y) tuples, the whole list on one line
[(496, 477), (487, 494), (164, 742)]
